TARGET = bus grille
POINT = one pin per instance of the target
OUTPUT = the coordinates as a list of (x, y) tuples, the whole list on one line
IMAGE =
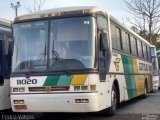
[(52, 89)]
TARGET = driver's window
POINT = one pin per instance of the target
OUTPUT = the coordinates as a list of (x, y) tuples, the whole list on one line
[(103, 26), (102, 22)]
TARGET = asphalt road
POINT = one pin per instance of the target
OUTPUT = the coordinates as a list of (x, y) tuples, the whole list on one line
[(135, 109)]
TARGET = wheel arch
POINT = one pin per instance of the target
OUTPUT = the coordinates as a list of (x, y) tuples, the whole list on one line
[(146, 82), (117, 88)]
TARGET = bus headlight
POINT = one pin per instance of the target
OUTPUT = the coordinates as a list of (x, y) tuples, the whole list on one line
[(84, 87), (76, 88), (78, 100), (22, 89), (15, 89), (16, 102), (85, 101), (81, 100), (21, 101)]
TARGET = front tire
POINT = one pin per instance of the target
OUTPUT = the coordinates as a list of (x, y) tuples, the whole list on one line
[(114, 100)]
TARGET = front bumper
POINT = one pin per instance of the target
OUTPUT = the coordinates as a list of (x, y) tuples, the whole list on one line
[(56, 102)]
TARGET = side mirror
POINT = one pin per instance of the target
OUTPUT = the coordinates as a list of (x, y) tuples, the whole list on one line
[(103, 41)]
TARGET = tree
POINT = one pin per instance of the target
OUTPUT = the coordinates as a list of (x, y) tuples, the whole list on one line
[(146, 17), (37, 6)]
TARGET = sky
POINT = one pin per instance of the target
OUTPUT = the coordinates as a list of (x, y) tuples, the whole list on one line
[(117, 8)]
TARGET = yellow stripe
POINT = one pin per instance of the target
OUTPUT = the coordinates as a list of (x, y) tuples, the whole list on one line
[(78, 79), (140, 84), (138, 78), (135, 65), (150, 82)]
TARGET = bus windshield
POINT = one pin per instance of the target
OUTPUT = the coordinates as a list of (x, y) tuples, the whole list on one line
[(154, 61), (64, 44)]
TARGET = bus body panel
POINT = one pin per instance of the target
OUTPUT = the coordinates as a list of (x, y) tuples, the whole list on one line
[(5, 63), (58, 102), (98, 100), (58, 93), (130, 86), (133, 72), (5, 95)]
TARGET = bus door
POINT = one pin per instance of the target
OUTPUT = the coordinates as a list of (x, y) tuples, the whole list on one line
[(104, 55), (104, 47)]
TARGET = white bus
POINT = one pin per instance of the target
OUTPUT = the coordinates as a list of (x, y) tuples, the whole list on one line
[(5, 63), (155, 68), (77, 59), (158, 57)]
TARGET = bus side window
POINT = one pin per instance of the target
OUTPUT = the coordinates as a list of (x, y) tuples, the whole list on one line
[(125, 42), (149, 53), (133, 46), (103, 26), (116, 37), (145, 51), (102, 22), (139, 46)]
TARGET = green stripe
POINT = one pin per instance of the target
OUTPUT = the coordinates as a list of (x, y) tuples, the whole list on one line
[(130, 79), (64, 80), (51, 81)]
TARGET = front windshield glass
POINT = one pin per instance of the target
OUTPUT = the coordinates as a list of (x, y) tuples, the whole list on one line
[(71, 42), (155, 66), (30, 45), (68, 45), (154, 61)]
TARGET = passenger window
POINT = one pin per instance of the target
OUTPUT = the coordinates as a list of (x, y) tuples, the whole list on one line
[(149, 53), (113, 32), (139, 46), (133, 46), (116, 37), (145, 50)]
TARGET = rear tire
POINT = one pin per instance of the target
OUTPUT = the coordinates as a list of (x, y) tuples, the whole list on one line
[(114, 100), (145, 90)]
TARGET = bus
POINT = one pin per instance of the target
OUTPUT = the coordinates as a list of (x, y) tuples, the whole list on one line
[(77, 59), (5, 63), (155, 72), (158, 57)]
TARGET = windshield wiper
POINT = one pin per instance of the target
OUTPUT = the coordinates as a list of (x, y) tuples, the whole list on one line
[(43, 54), (58, 58)]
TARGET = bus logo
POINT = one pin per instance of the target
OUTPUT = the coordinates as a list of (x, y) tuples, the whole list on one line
[(116, 63), (48, 89)]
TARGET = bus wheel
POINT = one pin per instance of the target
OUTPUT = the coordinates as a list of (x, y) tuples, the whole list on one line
[(145, 90), (114, 100)]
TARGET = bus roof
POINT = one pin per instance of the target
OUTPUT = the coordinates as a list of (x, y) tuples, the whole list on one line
[(5, 22), (75, 10), (60, 11)]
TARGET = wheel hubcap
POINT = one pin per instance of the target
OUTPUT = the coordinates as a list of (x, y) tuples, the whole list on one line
[(145, 90), (114, 100)]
